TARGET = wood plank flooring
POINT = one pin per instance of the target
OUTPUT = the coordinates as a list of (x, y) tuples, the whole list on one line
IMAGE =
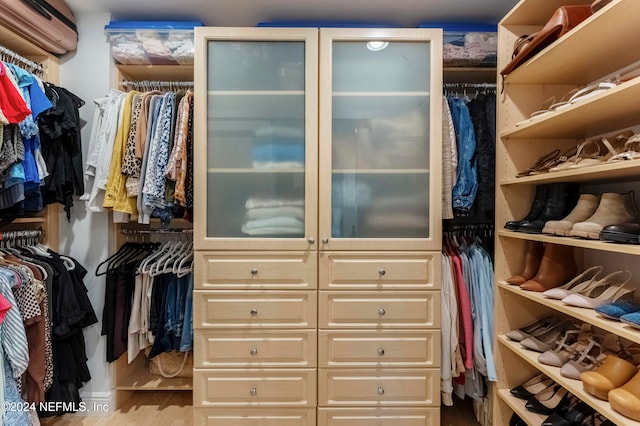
[(174, 409)]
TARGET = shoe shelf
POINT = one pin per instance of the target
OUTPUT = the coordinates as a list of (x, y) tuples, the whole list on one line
[(600, 32), (517, 405), (575, 242), (621, 170), (585, 118), (571, 385), (585, 315)]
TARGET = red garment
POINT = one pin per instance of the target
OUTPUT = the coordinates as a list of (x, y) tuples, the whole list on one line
[(464, 311), (5, 305), (11, 103)]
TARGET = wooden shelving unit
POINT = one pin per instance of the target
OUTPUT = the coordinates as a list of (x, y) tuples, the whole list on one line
[(581, 57)]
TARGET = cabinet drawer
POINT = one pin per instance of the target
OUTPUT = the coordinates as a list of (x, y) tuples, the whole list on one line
[(400, 387), (371, 348), (268, 387), (379, 309), (254, 348), (254, 417), (254, 308), (379, 416), (380, 271), (246, 270)]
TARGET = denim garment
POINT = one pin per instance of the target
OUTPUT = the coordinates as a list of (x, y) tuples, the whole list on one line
[(483, 116), (466, 187), (171, 313), (186, 340)]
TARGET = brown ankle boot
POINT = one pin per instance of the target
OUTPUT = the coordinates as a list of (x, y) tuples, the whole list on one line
[(556, 268), (535, 249)]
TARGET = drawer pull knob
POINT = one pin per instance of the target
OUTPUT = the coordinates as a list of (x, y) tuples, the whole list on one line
[(311, 240), (254, 351), (254, 271), (382, 272), (325, 240), (381, 311), (380, 351), (254, 311), (380, 390), (253, 391)]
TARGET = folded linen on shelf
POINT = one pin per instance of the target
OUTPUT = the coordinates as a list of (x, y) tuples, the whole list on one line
[(257, 202), (275, 225), (279, 211), (278, 152)]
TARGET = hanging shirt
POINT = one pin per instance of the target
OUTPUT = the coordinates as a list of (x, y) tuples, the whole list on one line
[(13, 106)]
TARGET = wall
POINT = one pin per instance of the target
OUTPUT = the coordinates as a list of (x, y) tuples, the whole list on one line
[(86, 73)]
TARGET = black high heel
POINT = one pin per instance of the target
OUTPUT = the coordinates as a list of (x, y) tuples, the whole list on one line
[(531, 387), (547, 401), (573, 413)]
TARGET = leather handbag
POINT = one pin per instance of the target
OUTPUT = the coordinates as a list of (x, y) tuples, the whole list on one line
[(599, 4), (563, 20)]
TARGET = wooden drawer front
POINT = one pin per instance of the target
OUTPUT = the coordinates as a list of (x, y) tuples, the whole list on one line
[(371, 348), (240, 270), (406, 387), (379, 309), (254, 417), (254, 308), (273, 387), (286, 348), (379, 271), (379, 416)]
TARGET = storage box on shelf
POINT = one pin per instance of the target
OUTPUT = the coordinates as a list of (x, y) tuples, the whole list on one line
[(565, 65), (152, 42)]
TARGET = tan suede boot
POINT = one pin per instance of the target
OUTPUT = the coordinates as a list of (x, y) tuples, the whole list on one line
[(584, 209), (613, 209), (556, 268), (535, 250)]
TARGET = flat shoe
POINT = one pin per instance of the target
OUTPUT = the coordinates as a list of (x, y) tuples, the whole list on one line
[(633, 319), (618, 308)]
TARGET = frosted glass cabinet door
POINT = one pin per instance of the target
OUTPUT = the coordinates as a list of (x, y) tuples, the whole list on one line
[(380, 138), (258, 98)]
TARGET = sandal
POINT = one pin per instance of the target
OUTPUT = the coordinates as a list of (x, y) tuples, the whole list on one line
[(544, 107), (542, 165), (591, 356), (564, 100), (590, 91), (589, 153), (631, 150)]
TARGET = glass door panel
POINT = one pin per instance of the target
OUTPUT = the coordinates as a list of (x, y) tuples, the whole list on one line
[(380, 147), (256, 142)]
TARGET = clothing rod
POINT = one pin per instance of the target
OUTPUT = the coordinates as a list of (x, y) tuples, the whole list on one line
[(157, 231), (153, 83), (33, 66), (469, 85)]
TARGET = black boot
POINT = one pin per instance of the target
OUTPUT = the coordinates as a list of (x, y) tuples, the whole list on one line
[(561, 199), (536, 208)]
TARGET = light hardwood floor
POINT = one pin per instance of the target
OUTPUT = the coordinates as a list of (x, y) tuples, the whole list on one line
[(174, 409), (142, 409)]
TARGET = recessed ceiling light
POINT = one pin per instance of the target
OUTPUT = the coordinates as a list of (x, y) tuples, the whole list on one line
[(376, 46)]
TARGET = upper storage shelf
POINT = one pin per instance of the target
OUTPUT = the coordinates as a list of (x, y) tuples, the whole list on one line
[(608, 32)]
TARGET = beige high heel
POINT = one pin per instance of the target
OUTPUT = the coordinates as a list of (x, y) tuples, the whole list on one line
[(606, 290), (577, 285)]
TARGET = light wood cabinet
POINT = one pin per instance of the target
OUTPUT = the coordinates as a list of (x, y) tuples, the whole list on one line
[(581, 57), (317, 224)]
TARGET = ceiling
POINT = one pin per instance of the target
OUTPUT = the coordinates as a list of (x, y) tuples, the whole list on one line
[(406, 13)]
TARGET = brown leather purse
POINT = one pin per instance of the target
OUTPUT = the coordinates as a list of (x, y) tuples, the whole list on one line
[(563, 20)]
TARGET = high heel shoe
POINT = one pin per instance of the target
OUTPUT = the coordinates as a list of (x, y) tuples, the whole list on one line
[(531, 387), (606, 290), (576, 285), (548, 400), (526, 331), (544, 339), (567, 347), (573, 412), (591, 356)]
